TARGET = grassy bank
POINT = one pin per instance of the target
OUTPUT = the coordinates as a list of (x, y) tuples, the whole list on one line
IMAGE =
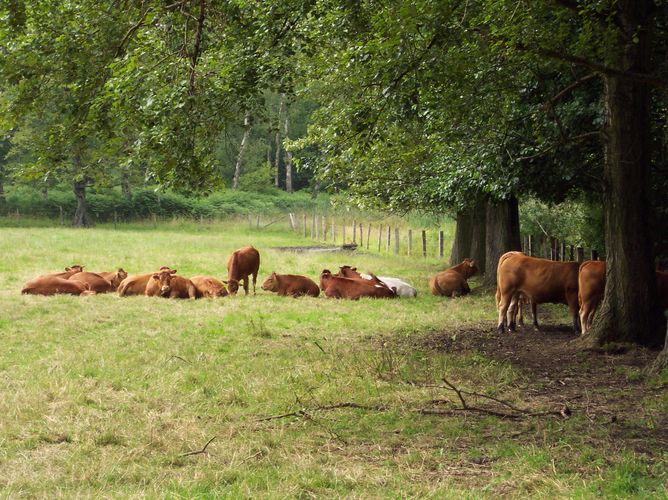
[(108, 396)]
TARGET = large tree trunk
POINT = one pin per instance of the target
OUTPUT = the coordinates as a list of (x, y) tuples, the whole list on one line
[(81, 217), (470, 234), (461, 246), (503, 234), (288, 156), (277, 158), (242, 150), (629, 311)]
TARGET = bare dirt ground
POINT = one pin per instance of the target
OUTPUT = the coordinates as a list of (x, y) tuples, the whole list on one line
[(610, 390)]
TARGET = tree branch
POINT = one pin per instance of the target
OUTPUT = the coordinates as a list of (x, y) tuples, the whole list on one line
[(550, 102)]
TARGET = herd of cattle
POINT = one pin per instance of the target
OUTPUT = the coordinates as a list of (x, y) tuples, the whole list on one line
[(520, 279)]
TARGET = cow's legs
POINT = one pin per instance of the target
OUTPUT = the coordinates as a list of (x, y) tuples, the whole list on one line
[(246, 285), (576, 318), (511, 315), (584, 320), (504, 303), (254, 281), (534, 313)]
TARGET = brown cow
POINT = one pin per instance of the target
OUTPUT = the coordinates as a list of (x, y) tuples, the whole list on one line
[(241, 264), (51, 285), (540, 280), (208, 286), (291, 284), (69, 271), (136, 283), (592, 288), (98, 283), (452, 282), (346, 288), (165, 284)]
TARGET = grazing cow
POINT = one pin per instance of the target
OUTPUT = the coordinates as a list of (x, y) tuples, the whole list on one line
[(403, 289), (208, 286), (98, 283), (591, 282), (136, 283), (290, 284), (347, 288), (51, 285), (452, 282), (241, 264), (540, 281), (165, 284)]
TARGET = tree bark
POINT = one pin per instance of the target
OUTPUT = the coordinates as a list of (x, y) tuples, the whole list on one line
[(629, 311), (288, 154), (242, 150), (81, 217), (502, 234), (461, 246), (277, 158)]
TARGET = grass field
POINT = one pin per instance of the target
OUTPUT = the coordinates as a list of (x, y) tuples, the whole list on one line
[(103, 396)]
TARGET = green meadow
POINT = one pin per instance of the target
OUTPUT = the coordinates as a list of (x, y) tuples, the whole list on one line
[(264, 396)]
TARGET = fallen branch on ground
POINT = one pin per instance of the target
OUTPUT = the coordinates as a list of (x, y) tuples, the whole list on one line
[(198, 452), (304, 412)]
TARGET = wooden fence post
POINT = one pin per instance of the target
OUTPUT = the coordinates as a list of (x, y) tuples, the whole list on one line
[(344, 232), (396, 241), (389, 235), (324, 228), (115, 217), (380, 236), (155, 221), (257, 222), (594, 254), (361, 236), (354, 231), (333, 230), (62, 219), (368, 235), (410, 242), (316, 226), (424, 243), (292, 221), (304, 224), (530, 246), (579, 254), (440, 244), (571, 255), (563, 251)]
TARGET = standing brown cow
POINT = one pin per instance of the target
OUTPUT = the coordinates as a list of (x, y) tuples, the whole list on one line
[(540, 280), (241, 264), (452, 282)]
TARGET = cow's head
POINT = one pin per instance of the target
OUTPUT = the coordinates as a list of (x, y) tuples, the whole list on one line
[(232, 286), (164, 279), (214, 290), (471, 267), (119, 276), (75, 268), (348, 272), (167, 268), (271, 283)]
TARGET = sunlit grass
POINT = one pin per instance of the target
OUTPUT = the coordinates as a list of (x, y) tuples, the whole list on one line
[(104, 396)]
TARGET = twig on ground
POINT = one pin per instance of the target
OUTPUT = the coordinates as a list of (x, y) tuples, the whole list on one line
[(304, 412), (198, 452), (179, 357)]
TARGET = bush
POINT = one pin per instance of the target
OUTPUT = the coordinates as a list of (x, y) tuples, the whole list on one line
[(104, 205)]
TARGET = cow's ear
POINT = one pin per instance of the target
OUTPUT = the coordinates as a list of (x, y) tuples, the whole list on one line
[(353, 269), (209, 282), (226, 282), (471, 263), (156, 276), (172, 271)]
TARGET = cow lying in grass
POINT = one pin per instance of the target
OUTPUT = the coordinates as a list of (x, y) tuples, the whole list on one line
[(402, 288), (167, 284), (291, 285), (347, 288), (452, 282), (136, 284)]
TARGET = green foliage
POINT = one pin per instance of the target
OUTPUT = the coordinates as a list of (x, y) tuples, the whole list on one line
[(577, 222), (145, 203)]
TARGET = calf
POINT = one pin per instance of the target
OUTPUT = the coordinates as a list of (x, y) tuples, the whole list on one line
[(347, 288), (591, 280), (452, 282), (291, 284), (101, 282), (51, 285), (241, 264), (208, 286), (114, 277), (540, 280), (166, 284), (136, 284)]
